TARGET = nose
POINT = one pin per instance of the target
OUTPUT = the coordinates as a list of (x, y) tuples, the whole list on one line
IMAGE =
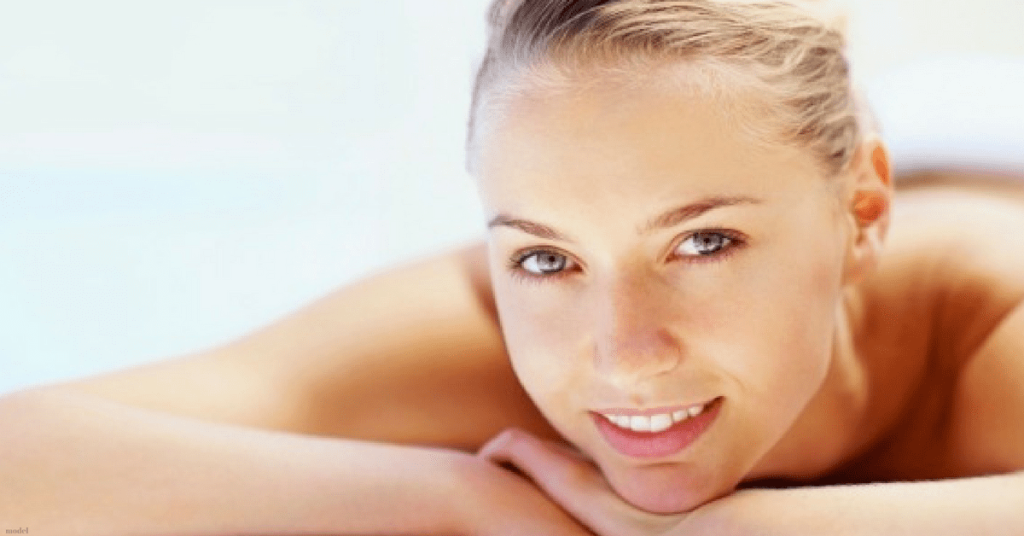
[(633, 338)]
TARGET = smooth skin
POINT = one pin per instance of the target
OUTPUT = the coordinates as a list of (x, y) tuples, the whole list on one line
[(380, 408), (639, 318), (907, 384)]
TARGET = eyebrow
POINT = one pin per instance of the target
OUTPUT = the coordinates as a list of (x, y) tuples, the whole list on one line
[(669, 218)]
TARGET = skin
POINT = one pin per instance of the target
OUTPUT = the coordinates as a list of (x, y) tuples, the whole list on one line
[(642, 320), (837, 361)]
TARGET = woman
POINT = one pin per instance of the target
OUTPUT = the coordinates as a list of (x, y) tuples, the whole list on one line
[(683, 293)]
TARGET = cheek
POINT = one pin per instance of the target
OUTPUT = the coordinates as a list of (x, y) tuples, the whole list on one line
[(788, 315), (542, 353)]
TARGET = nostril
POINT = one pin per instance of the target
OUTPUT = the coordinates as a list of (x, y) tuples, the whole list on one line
[(632, 315), (639, 353)]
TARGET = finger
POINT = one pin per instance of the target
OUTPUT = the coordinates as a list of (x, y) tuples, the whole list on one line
[(497, 443), (562, 474), (501, 439)]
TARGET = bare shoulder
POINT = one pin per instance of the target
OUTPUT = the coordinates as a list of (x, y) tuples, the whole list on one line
[(411, 355), (986, 434), (967, 235)]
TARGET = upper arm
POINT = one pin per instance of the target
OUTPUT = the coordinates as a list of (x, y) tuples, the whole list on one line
[(412, 355), (987, 418)]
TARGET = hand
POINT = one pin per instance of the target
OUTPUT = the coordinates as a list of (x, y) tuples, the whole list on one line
[(501, 503), (576, 484)]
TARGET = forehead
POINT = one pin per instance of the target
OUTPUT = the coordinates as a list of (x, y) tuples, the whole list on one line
[(636, 139)]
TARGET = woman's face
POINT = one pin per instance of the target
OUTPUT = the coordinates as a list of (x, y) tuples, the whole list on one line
[(652, 261)]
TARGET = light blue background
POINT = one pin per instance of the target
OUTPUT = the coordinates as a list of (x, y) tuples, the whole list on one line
[(176, 174)]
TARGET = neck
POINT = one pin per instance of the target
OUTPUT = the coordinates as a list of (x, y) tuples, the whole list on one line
[(830, 431)]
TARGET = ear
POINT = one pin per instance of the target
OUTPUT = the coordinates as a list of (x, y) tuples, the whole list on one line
[(867, 206)]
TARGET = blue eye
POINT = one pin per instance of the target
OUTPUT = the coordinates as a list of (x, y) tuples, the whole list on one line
[(704, 243), (707, 244), (700, 246), (542, 263)]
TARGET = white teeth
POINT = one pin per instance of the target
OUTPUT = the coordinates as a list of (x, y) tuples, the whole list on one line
[(653, 423), (640, 423), (660, 423)]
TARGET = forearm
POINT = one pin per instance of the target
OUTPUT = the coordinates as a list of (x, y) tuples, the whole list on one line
[(983, 505), (72, 464)]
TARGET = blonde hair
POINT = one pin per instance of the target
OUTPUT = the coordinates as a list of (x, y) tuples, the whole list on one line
[(791, 52)]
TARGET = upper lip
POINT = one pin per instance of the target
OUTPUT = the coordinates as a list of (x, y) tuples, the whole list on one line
[(651, 411)]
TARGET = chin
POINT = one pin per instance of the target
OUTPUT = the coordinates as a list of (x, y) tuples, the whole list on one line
[(665, 489)]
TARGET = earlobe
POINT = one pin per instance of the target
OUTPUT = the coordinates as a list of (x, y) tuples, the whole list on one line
[(868, 209)]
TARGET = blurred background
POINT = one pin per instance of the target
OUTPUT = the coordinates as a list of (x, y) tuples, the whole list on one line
[(176, 174)]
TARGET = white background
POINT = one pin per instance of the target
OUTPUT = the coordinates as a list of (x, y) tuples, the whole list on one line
[(175, 174)]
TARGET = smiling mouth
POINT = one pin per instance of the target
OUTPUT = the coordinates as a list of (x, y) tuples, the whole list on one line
[(658, 434), (654, 422)]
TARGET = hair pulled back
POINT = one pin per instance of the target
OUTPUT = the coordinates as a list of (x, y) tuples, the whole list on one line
[(790, 52)]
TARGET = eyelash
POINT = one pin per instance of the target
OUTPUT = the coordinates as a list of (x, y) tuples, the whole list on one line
[(515, 265), (515, 262)]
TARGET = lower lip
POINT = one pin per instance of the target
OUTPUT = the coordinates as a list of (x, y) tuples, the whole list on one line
[(660, 444)]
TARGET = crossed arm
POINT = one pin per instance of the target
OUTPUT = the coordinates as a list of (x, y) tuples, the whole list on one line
[(981, 505), (246, 440)]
